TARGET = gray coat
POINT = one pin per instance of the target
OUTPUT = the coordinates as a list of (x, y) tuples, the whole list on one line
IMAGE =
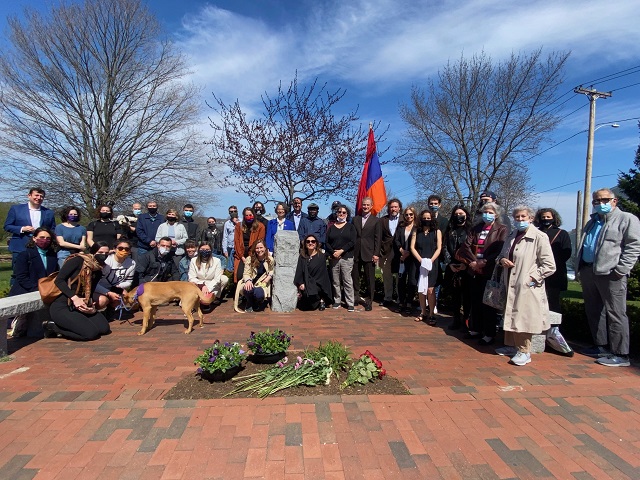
[(617, 246)]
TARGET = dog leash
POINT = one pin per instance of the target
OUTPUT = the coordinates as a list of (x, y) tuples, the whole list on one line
[(123, 307)]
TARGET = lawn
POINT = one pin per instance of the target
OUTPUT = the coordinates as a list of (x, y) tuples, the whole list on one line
[(5, 275), (575, 293)]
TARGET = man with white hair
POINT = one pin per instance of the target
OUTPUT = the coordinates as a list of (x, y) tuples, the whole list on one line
[(608, 250)]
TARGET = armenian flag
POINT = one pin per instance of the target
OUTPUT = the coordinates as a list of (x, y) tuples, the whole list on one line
[(371, 182)]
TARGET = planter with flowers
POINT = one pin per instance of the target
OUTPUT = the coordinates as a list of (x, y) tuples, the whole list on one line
[(268, 346), (220, 362)]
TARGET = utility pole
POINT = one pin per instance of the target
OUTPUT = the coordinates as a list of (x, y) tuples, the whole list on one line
[(579, 214), (593, 96)]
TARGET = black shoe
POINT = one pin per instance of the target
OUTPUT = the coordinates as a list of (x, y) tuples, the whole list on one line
[(368, 307), (48, 327), (322, 306), (470, 336)]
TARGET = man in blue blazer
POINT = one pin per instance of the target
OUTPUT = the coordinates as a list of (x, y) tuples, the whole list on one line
[(23, 219)]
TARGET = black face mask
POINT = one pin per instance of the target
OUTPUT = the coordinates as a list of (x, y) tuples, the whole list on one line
[(211, 225), (152, 211), (546, 223), (105, 215), (171, 219), (425, 223), (460, 219), (101, 258), (204, 253)]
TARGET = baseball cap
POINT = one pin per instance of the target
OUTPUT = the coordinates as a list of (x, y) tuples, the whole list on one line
[(489, 193)]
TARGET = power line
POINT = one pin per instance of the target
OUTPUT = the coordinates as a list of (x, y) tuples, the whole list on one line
[(622, 88), (577, 181), (613, 75)]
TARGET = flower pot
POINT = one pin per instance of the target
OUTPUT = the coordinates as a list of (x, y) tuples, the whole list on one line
[(219, 376), (266, 358)]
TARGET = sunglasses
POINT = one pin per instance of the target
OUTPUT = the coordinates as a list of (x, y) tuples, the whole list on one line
[(342, 213), (123, 249), (408, 214), (310, 241), (601, 200)]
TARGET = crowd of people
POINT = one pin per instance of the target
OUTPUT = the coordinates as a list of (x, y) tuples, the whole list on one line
[(425, 255)]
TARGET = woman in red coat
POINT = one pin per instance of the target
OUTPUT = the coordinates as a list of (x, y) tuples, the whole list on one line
[(247, 233)]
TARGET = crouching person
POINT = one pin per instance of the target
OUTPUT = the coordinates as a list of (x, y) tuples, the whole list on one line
[(206, 272), (258, 273), (117, 276)]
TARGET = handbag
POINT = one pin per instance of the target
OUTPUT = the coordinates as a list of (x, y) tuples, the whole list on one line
[(48, 289), (495, 292)]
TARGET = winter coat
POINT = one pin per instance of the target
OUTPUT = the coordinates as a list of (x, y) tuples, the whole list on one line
[(527, 309), (561, 247)]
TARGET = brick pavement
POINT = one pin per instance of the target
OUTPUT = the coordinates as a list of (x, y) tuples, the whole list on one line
[(95, 410)]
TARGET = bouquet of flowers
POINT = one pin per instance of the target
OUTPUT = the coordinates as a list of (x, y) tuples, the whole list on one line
[(268, 342), (365, 370), (285, 375), (220, 357)]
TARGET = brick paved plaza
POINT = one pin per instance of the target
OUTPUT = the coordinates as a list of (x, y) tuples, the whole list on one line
[(95, 410)]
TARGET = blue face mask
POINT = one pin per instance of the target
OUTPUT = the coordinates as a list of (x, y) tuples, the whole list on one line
[(137, 212), (488, 217), (434, 208), (187, 213), (522, 225), (603, 208)]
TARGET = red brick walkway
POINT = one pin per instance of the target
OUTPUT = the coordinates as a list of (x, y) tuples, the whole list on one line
[(95, 410)]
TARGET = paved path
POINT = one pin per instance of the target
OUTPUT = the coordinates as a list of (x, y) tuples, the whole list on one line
[(95, 410)]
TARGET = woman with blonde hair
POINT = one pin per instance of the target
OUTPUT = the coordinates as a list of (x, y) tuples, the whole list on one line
[(257, 276)]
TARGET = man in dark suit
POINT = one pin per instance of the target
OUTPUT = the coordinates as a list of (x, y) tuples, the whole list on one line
[(23, 219), (367, 251), (389, 223), (296, 214), (147, 227)]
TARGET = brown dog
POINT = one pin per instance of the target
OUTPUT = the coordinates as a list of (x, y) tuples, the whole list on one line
[(153, 294)]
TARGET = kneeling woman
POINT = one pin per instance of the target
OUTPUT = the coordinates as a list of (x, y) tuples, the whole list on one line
[(258, 273), (73, 314), (206, 272), (312, 277)]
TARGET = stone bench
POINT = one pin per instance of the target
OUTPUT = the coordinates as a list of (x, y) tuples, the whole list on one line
[(27, 303)]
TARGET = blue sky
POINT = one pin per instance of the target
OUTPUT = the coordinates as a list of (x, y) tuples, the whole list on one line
[(378, 49)]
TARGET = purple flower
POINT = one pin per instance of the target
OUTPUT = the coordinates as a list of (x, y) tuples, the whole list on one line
[(241, 352), (212, 359), (199, 370)]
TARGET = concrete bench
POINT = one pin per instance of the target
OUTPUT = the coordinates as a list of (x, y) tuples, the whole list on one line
[(27, 303)]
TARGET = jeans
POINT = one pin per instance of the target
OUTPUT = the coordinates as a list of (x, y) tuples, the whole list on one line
[(229, 259)]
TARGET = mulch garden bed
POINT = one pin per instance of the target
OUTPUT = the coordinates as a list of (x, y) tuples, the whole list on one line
[(191, 387)]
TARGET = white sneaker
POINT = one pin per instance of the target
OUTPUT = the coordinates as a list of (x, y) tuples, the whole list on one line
[(507, 351), (521, 359)]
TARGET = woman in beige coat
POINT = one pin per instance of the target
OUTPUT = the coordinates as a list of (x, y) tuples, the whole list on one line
[(527, 260), (257, 277)]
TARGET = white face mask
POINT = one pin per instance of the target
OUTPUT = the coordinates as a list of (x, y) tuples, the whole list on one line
[(163, 250)]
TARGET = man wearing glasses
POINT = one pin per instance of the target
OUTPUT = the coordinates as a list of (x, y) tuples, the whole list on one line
[(228, 232), (609, 249)]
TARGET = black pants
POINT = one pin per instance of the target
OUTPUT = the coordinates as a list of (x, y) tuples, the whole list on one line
[(76, 325), (458, 285), (369, 279), (553, 297), (484, 319)]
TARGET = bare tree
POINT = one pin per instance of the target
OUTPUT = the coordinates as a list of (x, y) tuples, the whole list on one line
[(94, 105), (298, 147), (474, 124)]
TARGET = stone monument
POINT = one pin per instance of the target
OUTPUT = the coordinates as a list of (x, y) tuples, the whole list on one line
[(286, 250)]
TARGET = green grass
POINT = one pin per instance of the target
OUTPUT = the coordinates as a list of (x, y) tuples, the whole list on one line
[(5, 275)]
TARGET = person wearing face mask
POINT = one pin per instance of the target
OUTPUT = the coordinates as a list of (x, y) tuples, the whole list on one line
[(608, 250), (247, 233), (434, 202), (206, 272), (258, 211), (426, 245), (277, 224), (456, 277), (526, 259), (486, 197), (148, 224), (228, 232), (157, 265), (117, 276), (104, 229), (70, 235), (478, 253), (189, 223), (36, 261), (176, 232), (549, 221), (313, 225), (73, 313), (212, 236)]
